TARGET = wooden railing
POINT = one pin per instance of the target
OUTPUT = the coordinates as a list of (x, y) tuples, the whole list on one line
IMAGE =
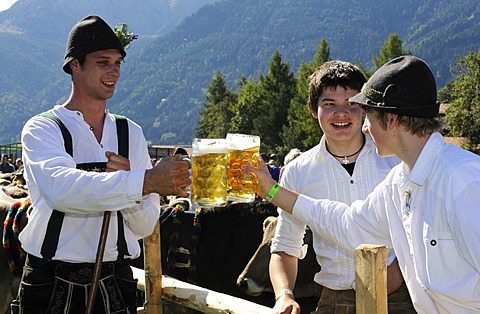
[(200, 299), (371, 285)]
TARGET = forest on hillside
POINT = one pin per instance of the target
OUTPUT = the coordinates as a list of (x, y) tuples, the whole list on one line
[(164, 84)]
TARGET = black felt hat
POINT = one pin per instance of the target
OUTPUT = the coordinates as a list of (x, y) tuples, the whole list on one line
[(90, 34), (404, 86)]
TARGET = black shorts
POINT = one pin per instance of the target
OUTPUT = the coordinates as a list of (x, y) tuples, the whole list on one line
[(58, 287)]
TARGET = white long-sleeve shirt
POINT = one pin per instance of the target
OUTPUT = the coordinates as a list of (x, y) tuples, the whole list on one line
[(55, 183), (431, 217), (318, 174)]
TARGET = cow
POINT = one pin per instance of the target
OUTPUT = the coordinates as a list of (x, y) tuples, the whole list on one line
[(255, 279), (209, 248), (18, 179), (7, 176), (16, 191), (12, 178), (8, 280)]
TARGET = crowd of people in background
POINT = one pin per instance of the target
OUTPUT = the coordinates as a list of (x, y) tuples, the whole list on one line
[(272, 162), (7, 165)]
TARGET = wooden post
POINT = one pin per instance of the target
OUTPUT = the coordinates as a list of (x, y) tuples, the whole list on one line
[(371, 279), (153, 272)]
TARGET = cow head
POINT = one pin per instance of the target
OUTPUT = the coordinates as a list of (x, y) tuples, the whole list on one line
[(255, 278)]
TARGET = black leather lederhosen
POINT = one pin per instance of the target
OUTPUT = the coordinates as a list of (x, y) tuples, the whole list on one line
[(73, 280)]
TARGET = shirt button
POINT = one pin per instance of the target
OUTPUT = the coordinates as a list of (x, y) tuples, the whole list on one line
[(351, 181), (78, 113), (433, 243)]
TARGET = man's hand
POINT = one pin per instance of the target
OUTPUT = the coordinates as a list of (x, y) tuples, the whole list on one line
[(264, 178), (394, 277), (286, 305), (116, 162), (170, 176)]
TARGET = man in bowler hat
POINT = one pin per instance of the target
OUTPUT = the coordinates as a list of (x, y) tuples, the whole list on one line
[(426, 209), (78, 166)]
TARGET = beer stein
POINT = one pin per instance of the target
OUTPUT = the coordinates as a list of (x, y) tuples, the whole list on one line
[(209, 172), (242, 149)]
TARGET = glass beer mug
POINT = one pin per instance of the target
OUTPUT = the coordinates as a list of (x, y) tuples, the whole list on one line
[(209, 172), (242, 149)]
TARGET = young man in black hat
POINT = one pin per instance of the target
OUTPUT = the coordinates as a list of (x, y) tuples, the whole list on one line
[(426, 208), (345, 167), (81, 161)]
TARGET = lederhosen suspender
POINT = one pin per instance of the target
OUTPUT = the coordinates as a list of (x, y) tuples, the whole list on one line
[(50, 243)]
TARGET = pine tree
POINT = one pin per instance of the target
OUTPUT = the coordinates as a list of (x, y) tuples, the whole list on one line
[(302, 130), (215, 118), (247, 107), (463, 113), (276, 89), (391, 48), (322, 54)]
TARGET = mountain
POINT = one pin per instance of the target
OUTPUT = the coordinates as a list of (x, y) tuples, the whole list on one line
[(54, 18), (33, 35), (169, 68)]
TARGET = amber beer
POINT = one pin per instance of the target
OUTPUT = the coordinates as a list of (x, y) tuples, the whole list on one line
[(242, 149), (209, 172)]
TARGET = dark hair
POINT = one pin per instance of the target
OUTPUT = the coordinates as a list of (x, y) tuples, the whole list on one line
[(265, 157), (180, 151), (81, 60), (332, 74), (415, 125)]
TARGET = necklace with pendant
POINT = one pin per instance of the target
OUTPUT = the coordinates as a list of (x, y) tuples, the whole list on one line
[(345, 159)]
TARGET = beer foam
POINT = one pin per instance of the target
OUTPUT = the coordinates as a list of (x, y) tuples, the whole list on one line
[(208, 146), (242, 141)]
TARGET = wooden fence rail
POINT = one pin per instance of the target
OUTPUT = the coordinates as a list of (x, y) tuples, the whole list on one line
[(201, 299), (370, 270)]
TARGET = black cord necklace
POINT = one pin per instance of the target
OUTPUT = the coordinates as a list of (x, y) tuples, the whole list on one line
[(345, 159)]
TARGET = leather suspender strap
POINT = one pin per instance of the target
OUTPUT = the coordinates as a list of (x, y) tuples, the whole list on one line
[(50, 243), (123, 149), (122, 135), (52, 235), (67, 137)]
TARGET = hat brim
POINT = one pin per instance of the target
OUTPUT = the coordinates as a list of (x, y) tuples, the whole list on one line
[(363, 100), (66, 66), (359, 99)]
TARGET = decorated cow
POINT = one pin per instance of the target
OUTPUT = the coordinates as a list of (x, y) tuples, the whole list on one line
[(13, 214), (209, 247), (255, 280)]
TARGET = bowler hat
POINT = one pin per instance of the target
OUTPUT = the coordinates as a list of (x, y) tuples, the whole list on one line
[(404, 86), (90, 34)]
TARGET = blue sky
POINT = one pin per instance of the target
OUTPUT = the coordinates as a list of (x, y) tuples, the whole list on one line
[(5, 4)]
